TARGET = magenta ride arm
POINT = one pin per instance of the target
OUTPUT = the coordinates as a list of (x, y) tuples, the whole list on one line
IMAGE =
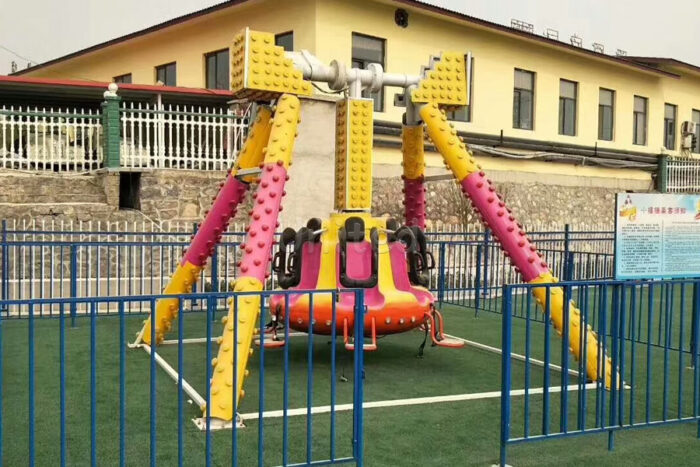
[(231, 193)]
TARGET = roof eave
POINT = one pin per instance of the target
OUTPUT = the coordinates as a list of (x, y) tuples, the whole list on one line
[(218, 94), (134, 35), (489, 25)]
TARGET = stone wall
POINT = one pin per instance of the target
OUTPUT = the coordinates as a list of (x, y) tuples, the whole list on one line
[(173, 195), (184, 196), (533, 204)]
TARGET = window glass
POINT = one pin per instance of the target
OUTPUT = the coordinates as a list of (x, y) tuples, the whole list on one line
[(606, 113), (567, 107), (523, 99), (285, 40), (366, 50), (669, 126), (524, 79), (123, 79), (166, 74), (639, 130), (217, 66), (606, 97), (567, 89)]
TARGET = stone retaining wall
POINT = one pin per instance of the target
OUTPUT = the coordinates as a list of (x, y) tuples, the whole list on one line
[(532, 203)]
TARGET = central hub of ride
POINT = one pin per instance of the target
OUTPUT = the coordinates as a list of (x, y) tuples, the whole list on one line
[(353, 251)]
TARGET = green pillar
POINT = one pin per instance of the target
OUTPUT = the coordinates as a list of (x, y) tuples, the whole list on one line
[(110, 126), (662, 174)]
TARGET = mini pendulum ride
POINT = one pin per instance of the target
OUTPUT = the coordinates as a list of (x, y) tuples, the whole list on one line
[(350, 249)]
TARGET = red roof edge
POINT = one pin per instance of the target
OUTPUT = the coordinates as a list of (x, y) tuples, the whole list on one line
[(146, 88)]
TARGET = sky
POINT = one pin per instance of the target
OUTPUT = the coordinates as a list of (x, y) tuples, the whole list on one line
[(39, 30)]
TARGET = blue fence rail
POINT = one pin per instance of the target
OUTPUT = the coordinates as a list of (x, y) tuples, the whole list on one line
[(470, 267), (649, 330), (66, 388)]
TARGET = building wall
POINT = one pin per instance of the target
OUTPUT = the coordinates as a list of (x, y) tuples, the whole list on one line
[(495, 57), (187, 43), (561, 192), (325, 27)]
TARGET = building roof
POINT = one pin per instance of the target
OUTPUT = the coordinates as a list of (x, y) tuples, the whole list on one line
[(656, 61), (95, 89), (156, 27), (420, 5)]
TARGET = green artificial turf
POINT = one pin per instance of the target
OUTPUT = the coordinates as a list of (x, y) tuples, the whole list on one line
[(454, 434)]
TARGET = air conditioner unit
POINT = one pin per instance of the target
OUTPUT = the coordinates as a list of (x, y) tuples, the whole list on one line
[(688, 128)]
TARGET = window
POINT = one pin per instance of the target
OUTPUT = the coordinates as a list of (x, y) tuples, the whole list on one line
[(217, 69), (166, 74), (464, 114), (123, 79), (523, 99), (366, 50), (606, 114), (696, 137), (639, 127), (567, 107), (670, 126), (285, 40)]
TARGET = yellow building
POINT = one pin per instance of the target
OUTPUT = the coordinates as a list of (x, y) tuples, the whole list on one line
[(566, 109)]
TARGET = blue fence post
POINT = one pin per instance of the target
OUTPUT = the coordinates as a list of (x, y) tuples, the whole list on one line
[(193, 301), (73, 282), (477, 279), (487, 240), (569, 266), (359, 373), (215, 277), (1, 392), (5, 263), (566, 273), (506, 335), (441, 275), (695, 340)]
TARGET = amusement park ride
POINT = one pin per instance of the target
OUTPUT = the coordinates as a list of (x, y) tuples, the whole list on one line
[(350, 249)]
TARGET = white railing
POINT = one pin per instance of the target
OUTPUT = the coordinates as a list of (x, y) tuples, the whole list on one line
[(50, 139), (179, 137), (683, 175)]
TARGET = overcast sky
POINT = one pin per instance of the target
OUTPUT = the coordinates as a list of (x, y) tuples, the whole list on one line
[(39, 30)]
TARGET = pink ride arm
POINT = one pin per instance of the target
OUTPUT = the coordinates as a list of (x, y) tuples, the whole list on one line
[(239, 324), (523, 254), (216, 222), (415, 202), (258, 242), (231, 193)]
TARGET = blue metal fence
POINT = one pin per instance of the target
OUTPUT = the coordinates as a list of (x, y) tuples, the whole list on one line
[(470, 267), (648, 329), (77, 411)]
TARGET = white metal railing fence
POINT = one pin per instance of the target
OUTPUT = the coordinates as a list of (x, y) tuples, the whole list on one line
[(179, 137), (683, 175), (50, 139)]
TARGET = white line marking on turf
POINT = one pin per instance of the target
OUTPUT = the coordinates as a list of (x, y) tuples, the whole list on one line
[(514, 356), (406, 402)]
